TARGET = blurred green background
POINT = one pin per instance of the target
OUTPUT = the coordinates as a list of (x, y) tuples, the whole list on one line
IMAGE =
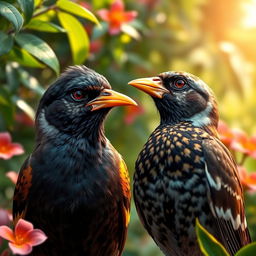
[(213, 39)]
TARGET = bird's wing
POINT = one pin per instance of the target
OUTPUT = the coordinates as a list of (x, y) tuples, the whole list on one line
[(125, 204), (225, 195), (21, 192)]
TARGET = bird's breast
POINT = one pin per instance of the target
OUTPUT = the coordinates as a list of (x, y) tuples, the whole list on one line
[(170, 184)]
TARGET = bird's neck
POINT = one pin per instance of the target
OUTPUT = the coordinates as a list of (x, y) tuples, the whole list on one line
[(91, 132)]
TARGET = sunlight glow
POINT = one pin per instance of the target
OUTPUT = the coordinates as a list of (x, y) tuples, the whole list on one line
[(249, 20)]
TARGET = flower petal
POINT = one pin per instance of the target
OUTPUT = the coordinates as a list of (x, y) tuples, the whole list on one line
[(118, 5), (5, 138), (22, 249), (22, 227), (129, 16), (35, 237), (13, 176), (104, 14), (7, 233), (16, 149)]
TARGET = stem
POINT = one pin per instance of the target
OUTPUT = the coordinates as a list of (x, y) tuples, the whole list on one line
[(51, 7)]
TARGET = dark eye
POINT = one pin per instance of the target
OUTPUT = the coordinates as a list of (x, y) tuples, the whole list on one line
[(180, 83), (78, 95)]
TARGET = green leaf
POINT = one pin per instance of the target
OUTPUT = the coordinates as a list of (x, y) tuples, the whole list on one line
[(24, 58), (208, 244), (44, 26), (12, 15), (30, 82), (77, 9), (78, 38), (248, 250), (27, 6), (38, 48), (6, 42)]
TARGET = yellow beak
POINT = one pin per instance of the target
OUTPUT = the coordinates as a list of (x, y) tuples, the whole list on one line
[(110, 98), (151, 85)]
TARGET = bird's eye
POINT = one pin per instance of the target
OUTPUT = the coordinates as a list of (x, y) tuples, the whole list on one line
[(78, 95), (180, 83)]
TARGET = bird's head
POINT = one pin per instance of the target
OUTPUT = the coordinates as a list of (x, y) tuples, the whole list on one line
[(180, 96), (77, 103)]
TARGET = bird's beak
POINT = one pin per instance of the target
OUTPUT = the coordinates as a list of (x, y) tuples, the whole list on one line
[(151, 85), (109, 98)]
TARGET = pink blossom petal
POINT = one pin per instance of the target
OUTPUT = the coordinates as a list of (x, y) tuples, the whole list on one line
[(118, 5), (8, 149), (35, 237), (13, 176), (22, 227), (104, 14), (7, 233), (129, 16), (5, 138), (237, 146), (22, 249), (16, 149)]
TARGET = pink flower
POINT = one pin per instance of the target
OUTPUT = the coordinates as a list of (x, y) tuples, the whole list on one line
[(131, 113), (13, 176), (248, 179), (23, 238), (225, 133), (7, 148), (245, 144), (116, 16), (237, 140)]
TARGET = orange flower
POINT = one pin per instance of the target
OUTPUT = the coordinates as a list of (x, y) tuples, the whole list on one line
[(7, 148), (23, 238), (237, 140), (131, 113), (248, 179), (116, 16), (13, 176), (245, 145), (226, 135)]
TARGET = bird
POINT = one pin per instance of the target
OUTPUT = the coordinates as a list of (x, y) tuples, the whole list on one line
[(74, 186), (184, 172)]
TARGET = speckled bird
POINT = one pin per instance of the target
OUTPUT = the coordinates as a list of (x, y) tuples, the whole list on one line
[(184, 172), (75, 185)]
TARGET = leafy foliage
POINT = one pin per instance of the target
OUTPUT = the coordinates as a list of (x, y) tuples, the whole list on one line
[(209, 38)]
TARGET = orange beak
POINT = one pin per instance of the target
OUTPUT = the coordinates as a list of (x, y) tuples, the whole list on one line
[(151, 85), (110, 98)]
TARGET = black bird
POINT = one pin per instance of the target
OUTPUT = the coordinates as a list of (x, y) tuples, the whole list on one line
[(75, 185), (184, 172)]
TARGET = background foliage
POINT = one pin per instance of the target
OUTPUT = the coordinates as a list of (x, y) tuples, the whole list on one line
[(212, 39)]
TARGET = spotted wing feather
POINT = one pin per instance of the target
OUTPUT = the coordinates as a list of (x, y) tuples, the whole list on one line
[(225, 195)]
